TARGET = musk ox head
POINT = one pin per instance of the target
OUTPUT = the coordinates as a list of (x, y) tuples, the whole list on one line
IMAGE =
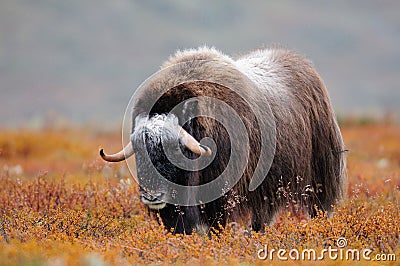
[(157, 141)]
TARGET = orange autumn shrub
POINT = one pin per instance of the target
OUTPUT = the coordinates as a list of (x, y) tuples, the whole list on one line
[(60, 204)]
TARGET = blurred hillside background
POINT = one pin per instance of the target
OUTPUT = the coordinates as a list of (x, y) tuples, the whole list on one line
[(80, 61)]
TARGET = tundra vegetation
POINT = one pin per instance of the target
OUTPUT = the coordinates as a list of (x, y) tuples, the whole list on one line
[(60, 204)]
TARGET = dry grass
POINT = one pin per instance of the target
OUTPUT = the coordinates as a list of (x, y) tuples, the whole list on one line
[(61, 205)]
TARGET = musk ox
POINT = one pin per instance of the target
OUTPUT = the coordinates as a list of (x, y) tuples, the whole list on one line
[(275, 89)]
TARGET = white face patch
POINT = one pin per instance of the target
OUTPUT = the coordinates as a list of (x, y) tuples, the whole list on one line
[(156, 127), (156, 123)]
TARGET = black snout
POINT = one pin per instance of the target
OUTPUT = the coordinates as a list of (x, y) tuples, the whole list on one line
[(152, 200)]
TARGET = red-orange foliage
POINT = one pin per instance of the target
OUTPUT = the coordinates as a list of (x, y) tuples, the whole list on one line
[(59, 203)]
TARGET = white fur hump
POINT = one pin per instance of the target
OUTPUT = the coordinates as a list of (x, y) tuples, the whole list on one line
[(201, 53)]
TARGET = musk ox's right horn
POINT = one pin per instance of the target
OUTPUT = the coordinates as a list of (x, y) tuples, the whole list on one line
[(125, 153), (192, 144)]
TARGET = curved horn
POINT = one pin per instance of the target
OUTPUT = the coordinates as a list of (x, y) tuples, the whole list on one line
[(192, 144), (125, 153)]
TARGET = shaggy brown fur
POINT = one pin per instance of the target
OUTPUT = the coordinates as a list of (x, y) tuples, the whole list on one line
[(309, 165)]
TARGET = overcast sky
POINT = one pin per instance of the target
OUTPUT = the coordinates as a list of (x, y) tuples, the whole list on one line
[(82, 60)]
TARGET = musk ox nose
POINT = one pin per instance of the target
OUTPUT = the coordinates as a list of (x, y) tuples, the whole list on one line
[(153, 200)]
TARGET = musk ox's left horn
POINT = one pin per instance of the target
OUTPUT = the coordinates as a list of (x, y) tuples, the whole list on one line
[(192, 144), (125, 153)]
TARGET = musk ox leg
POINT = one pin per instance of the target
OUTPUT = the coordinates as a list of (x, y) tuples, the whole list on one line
[(320, 201), (215, 215), (179, 219), (328, 187), (262, 216), (315, 208), (328, 166)]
